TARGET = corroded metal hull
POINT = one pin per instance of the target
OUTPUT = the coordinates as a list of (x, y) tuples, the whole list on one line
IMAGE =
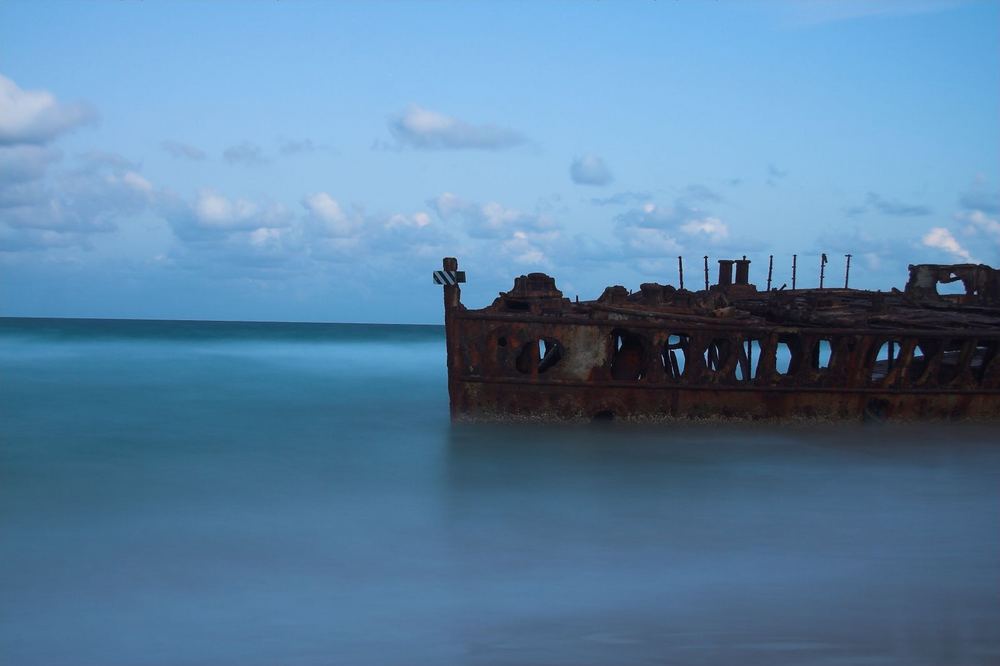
[(724, 352)]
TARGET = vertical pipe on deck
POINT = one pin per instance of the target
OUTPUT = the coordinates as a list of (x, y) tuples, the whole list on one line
[(770, 269), (725, 272), (847, 271), (743, 270), (794, 260), (680, 270)]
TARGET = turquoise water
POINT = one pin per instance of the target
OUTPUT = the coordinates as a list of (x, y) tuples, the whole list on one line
[(179, 493)]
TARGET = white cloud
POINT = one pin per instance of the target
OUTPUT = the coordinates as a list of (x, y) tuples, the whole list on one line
[(90, 198), (496, 218), (214, 229), (35, 116), (215, 211), (491, 219), (448, 204), (400, 220), (529, 248), (590, 170), (648, 242), (660, 217), (502, 232), (266, 236), (325, 207), (328, 215), (653, 230), (137, 182), (940, 238), (712, 228), (422, 128), (980, 222)]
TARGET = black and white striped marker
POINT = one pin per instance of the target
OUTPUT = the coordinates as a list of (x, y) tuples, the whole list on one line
[(449, 277)]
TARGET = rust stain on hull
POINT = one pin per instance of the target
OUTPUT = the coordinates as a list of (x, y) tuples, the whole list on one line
[(729, 351)]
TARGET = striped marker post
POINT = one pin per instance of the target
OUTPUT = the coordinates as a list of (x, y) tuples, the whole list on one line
[(449, 277)]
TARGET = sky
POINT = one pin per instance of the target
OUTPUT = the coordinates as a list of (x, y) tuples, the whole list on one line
[(314, 161)]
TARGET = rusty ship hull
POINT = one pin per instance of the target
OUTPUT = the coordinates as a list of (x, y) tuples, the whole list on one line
[(729, 351)]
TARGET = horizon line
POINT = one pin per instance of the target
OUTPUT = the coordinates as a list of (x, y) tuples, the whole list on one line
[(220, 321)]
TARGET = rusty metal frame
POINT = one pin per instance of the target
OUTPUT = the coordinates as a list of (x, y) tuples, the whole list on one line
[(613, 356)]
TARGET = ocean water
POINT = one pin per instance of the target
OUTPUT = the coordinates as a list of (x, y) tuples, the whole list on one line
[(179, 493)]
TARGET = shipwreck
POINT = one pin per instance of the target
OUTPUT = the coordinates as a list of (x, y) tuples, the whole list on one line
[(729, 350)]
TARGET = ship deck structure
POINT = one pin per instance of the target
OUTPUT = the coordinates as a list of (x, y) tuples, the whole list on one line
[(729, 350)]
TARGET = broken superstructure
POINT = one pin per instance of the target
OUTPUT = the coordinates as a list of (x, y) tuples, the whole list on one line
[(728, 350)]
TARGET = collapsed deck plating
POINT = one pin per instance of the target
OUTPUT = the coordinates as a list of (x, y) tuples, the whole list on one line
[(729, 350)]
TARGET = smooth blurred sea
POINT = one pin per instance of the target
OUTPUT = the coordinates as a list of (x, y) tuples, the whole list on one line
[(180, 493)]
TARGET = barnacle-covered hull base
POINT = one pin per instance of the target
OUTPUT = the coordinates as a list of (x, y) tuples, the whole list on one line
[(730, 351)]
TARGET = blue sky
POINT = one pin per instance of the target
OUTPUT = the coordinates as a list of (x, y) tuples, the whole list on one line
[(314, 161)]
